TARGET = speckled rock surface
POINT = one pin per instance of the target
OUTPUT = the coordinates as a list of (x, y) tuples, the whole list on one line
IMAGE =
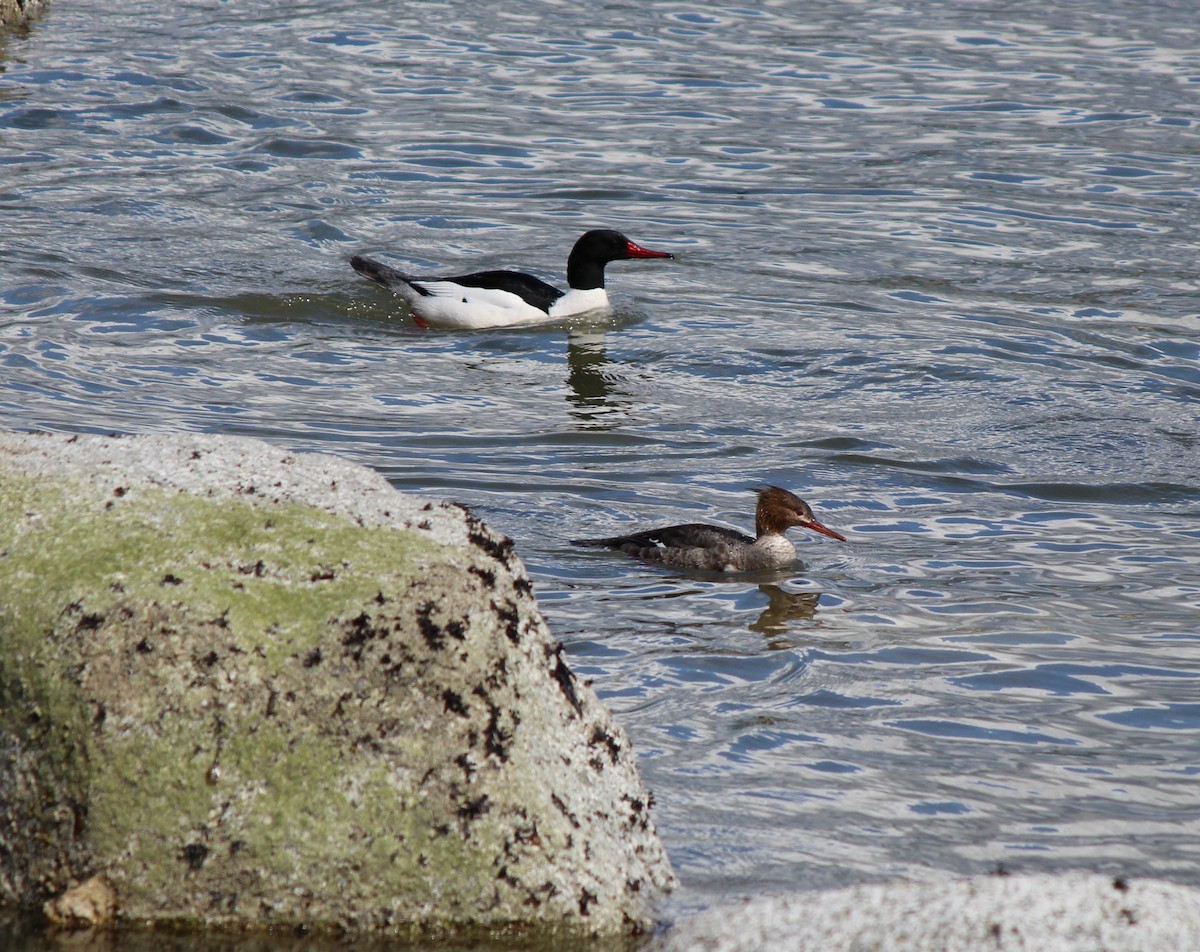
[(1069, 913), (250, 687), (14, 12)]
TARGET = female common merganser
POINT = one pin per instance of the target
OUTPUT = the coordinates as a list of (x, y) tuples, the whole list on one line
[(507, 298), (717, 549)]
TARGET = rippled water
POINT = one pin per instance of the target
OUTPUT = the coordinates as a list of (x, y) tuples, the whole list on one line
[(936, 272)]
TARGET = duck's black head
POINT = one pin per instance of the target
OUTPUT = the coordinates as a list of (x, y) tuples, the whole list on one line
[(595, 249)]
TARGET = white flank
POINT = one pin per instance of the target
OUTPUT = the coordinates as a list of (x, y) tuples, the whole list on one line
[(452, 305)]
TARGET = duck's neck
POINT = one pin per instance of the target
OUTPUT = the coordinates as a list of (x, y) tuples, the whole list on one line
[(584, 272), (767, 522)]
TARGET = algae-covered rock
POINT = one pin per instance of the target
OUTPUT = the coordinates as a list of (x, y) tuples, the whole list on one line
[(248, 687)]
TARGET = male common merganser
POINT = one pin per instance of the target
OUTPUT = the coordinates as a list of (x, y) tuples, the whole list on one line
[(507, 298), (717, 549)]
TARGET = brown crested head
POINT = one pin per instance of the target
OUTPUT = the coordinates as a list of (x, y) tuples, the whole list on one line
[(779, 510)]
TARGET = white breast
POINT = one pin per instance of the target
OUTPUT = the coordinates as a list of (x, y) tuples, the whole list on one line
[(577, 302), (774, 550)]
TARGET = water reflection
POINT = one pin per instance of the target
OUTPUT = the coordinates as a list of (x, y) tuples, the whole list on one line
[(783, 609), (590, 387)]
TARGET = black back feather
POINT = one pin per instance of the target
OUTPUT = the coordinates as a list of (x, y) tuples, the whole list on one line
[(531, 290)]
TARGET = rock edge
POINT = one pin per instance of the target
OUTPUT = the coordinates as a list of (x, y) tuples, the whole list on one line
[(1075, 912)]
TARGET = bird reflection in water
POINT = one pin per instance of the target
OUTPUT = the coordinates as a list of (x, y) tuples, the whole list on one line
[(591, 389), (783, 610)]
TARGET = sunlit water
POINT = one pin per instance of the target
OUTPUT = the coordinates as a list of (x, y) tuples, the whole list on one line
[(937, 273)]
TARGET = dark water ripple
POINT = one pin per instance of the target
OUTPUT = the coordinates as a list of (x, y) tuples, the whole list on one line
[(936, 272)]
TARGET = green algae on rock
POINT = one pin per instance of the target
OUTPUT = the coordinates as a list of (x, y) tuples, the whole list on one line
[(253, 688)]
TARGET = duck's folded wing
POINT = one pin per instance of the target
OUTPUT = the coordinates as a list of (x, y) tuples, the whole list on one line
[(531, 290), (687, 536)]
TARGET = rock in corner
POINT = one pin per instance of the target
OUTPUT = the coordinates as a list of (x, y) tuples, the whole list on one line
[(19, 12), (251, 688)]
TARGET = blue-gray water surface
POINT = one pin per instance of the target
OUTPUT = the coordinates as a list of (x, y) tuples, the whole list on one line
[(936, 272)]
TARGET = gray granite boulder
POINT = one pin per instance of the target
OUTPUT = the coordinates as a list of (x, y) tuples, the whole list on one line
[(245, 687), (1075, 912)]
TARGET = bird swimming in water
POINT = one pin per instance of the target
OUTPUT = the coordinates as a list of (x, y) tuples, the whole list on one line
[(510, 298), (718, 549)]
